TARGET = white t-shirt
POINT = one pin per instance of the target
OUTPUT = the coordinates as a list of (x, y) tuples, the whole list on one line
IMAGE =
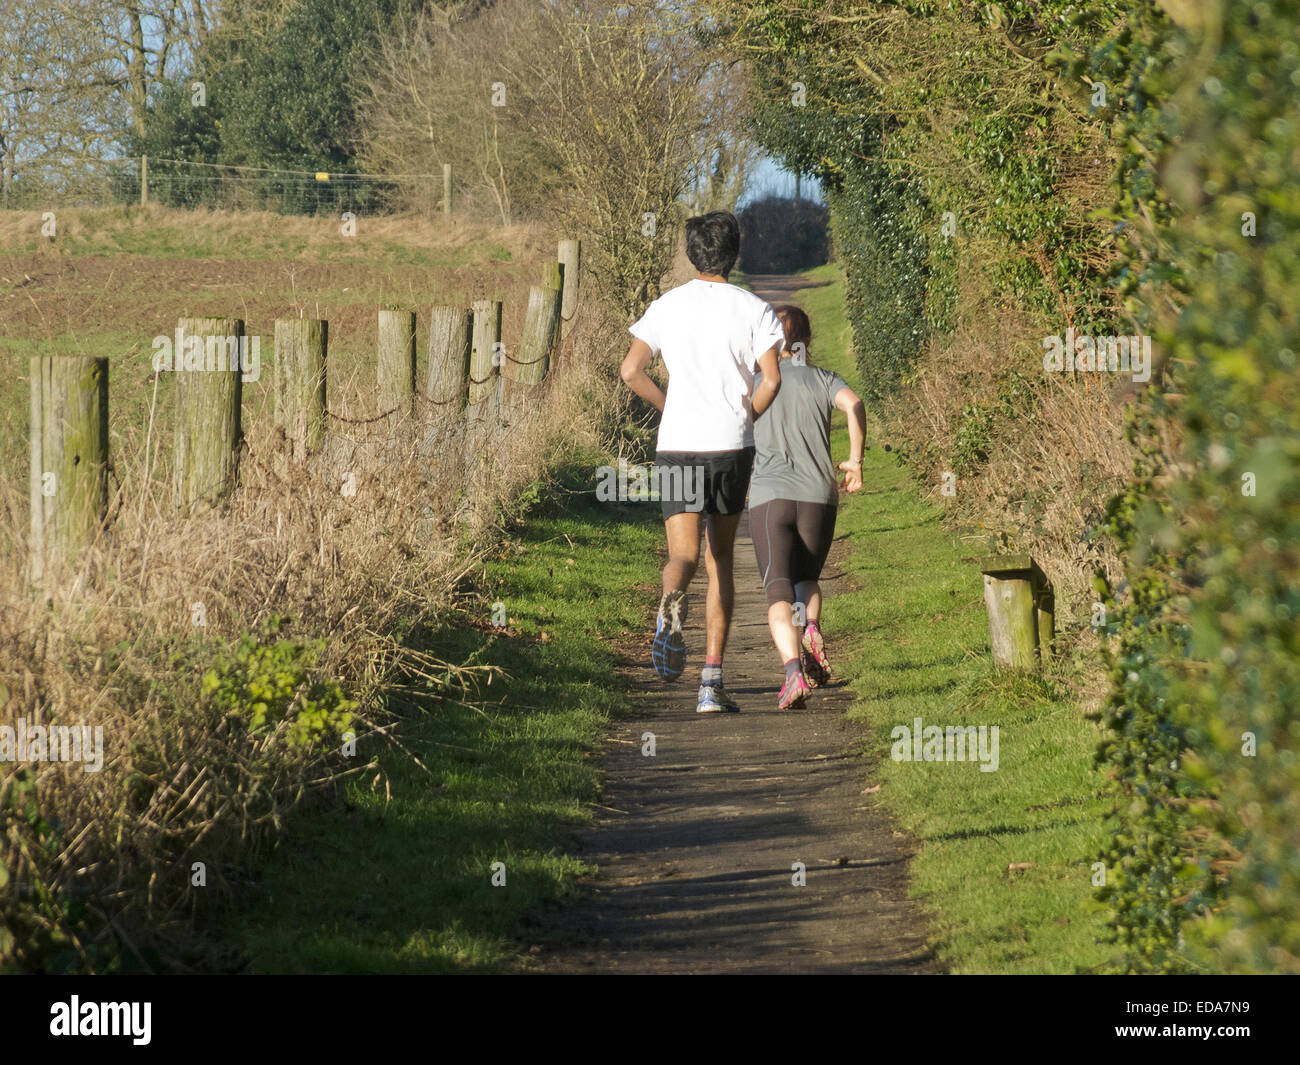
[(711, 335)]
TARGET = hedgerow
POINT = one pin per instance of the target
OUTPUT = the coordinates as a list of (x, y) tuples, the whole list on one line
[(1207, 678), (1037, 165)]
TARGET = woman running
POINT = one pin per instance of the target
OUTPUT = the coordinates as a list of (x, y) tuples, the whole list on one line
[(792, 501)]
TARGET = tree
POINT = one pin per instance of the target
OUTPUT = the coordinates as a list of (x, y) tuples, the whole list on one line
[(588, 115)]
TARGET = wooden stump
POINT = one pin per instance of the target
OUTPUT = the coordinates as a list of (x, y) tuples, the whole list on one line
[(570, 256), (301, 345), (484, 363), (450, 343), (1045, 620), (1018, 599), (68, 458), (208, 407), (541, 328), (396, 361)]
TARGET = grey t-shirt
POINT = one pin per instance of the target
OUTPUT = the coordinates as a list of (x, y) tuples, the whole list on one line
[(792, 438)]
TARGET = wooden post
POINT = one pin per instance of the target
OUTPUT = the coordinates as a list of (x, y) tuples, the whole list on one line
[(300, 352), (446, 192), (541, 325), (1009, 597), (69, 458), (570, 254), (450, 343), (397, 361), (484, 365), (144, 181), (1045, 618), (209, 391)]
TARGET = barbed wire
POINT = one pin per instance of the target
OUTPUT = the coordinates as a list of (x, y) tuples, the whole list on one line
[(187, 183)]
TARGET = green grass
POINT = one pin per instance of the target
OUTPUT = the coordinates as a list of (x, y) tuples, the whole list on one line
[(404, 886), (913, 642)]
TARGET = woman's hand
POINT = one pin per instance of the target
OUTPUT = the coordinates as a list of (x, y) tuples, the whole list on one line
[(852, 476)]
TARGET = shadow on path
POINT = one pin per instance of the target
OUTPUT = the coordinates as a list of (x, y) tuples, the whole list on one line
[(696, 845)]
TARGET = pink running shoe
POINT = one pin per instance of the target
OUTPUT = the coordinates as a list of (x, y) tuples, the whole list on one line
[(793, 693), (816, 665)]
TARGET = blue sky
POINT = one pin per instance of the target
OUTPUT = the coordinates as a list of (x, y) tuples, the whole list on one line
[(772, 178)]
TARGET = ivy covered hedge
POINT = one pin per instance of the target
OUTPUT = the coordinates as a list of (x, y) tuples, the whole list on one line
[(1106, 167), (1205, 729), (936, 127)]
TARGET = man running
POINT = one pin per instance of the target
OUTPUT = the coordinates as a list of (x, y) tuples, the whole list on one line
[(713, 337)]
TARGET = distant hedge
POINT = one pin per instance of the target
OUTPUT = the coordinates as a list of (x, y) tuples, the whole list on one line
[(781, 236)]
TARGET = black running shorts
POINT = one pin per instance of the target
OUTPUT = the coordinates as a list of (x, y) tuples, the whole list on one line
[(709, 482), (791, 542)]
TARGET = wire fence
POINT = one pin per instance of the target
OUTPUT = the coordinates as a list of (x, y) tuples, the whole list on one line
[(187, 184)]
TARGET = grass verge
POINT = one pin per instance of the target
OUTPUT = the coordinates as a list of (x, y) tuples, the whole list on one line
[(400, 881), (1004, 864)]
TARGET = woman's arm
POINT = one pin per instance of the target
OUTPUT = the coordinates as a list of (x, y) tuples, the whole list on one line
[(634, 376), (847, 400)]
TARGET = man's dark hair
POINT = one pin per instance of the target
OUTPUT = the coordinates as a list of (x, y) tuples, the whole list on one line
[(798, 330), (713, 242)]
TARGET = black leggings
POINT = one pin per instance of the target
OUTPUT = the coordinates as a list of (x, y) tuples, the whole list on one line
[(791, 541)]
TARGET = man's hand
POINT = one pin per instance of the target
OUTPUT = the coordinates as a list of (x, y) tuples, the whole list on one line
[(852, 476), (634, 375)]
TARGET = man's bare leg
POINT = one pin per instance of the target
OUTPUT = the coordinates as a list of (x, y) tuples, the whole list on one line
[(718, 559), (668, 648), (683, 535)]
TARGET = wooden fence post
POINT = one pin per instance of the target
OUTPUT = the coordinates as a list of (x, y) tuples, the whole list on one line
[(144, 181), (450, 343), (301, 345), (209, 393), (397, 361), (541, 325), (446, 192), (1020, 608), (1045, 619), (484, 363), (69, 458), (570, 254)]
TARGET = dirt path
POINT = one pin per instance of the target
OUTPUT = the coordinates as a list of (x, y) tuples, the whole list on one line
[(696, 844)]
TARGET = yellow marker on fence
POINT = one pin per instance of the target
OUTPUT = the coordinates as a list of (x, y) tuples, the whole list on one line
[(322, 176)]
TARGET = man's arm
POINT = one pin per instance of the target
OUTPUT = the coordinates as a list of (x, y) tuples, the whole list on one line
[(634, 375), (847, 400), (770, 363)]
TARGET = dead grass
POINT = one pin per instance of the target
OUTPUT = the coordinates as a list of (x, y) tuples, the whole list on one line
[(1053, 455), (244, 234), (100, 864)]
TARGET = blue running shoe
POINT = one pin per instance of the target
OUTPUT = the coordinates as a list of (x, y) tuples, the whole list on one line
[(668, 651), (713, 699)]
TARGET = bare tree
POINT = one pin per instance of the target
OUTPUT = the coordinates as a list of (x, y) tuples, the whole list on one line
[(59, 100), (589, 114), (74, 73)]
